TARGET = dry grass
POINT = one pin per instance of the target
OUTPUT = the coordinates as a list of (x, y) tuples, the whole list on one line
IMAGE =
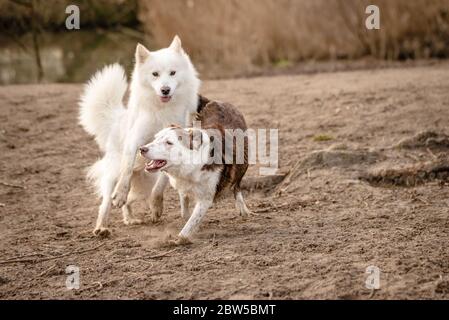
[(235, 37)]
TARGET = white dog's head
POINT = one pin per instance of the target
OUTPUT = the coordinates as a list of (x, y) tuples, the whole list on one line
[(168, 71), (177, 150)]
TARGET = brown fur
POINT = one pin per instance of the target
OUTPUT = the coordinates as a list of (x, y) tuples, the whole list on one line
[(221, 116), (190, 139)]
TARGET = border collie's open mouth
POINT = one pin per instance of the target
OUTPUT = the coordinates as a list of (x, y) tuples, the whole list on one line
[(165, 99), (155, 165)]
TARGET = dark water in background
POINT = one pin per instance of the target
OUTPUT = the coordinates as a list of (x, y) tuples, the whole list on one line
[(65, 57)]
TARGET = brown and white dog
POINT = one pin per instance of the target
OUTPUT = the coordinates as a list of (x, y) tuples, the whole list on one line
[(198, 163)]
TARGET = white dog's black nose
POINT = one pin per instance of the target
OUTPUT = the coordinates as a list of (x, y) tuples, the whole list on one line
[(165, 91), (143, 150)]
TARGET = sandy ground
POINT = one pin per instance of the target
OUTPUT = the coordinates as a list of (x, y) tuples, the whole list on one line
[(313, 236)]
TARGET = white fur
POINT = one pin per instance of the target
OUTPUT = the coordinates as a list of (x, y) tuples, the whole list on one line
[(101, 102), (119, 132)]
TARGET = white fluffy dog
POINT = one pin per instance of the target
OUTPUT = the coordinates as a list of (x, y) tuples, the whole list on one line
[(163, 90)]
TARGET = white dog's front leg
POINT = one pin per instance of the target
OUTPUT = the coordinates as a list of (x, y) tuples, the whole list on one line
[(123, 185), (195, 219), (101, 227), (136, 139)]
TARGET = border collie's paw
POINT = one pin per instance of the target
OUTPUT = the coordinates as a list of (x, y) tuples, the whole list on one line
[(180, 241), (102, 232), (133, 221), (156, 208), (248, 214), (155, 219)]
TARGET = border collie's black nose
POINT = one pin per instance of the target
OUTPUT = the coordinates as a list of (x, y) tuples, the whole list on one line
[(165, 91), (143, 150)]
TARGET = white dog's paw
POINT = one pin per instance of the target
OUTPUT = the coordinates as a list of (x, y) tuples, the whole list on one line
[(132, 221), (119, 197), (102, 232)]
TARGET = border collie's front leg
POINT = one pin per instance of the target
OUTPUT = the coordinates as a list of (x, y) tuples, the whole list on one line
[(184, 199), (198, 214), (157, 198), (241, 205)]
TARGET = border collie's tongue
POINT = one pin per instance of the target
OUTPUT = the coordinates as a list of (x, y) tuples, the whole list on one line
[(154, 165)]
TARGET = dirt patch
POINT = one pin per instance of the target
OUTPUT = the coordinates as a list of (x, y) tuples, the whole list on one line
[(410, 176), (426, 139), (314, 240), (338, 158), (337, 155)]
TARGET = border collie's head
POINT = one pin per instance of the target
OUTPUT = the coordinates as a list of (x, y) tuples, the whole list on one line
[(175, 149)]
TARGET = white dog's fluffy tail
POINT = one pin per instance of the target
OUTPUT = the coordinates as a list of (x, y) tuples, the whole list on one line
[(101, 103)]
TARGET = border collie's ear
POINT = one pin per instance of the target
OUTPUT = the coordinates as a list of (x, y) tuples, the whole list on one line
[(195, 139), (174, 125), (176, 44), (142, 53)]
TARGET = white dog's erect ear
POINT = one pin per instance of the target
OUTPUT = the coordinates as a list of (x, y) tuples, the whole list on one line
[(142, 53), (176, 44)]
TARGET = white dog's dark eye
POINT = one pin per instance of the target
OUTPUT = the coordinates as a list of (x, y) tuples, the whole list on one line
[(172, 73), (169, 143), (156, 74)]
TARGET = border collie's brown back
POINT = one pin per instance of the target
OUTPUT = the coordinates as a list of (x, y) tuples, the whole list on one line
[(221, 116)]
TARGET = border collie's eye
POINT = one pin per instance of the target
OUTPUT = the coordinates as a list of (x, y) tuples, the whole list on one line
[(155, 74), (172, 73), (169, 143)]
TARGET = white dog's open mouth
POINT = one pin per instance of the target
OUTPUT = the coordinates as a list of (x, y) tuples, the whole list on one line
[(155, 165), (165, 99)]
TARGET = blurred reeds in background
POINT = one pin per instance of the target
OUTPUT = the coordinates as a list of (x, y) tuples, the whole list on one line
[(225, 38), (234, 37)]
